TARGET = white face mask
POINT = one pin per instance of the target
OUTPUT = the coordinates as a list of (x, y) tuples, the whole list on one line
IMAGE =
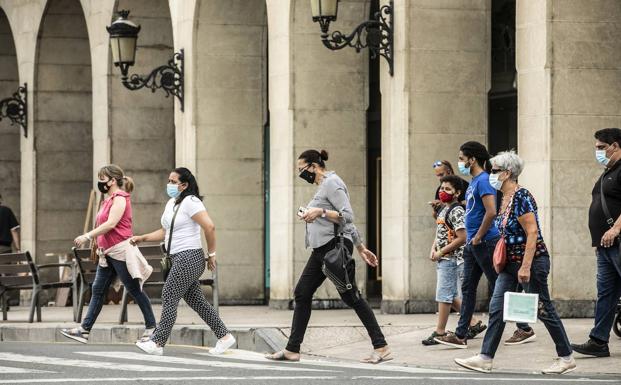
[(495, 182)]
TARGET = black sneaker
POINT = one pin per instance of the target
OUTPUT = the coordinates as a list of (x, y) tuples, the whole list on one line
[(475, 330), (76, 334), (430, 340), (592, 348)]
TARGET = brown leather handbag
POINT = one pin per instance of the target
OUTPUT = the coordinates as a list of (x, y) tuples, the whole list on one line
[(500, 251)]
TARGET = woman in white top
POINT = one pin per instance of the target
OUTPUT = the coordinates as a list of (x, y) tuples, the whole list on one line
[(188, 261)]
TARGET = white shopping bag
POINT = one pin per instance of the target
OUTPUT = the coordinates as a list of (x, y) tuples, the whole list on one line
[(520, 307)]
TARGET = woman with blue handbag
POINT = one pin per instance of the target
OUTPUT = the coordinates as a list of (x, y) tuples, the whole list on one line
[(331, 234)]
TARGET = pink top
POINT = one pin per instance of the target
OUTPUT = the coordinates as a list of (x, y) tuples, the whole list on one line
[(122, 230)]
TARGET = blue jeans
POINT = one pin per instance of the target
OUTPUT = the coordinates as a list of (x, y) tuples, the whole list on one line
[(477, 261), (608, 291), (538, 284), (103, 279)]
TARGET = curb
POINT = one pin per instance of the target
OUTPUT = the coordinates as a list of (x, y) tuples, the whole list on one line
[(260, 340)]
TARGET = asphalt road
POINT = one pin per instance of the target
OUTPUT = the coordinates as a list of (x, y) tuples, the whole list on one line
[(72, 363)]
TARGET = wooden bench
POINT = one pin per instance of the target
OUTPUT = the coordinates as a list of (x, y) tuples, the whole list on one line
[(153, 254), (19, 272)]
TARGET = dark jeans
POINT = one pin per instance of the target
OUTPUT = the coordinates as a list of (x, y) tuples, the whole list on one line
[(538, 284), (312, 277), (103, 279), (608, 291), (477, 261)]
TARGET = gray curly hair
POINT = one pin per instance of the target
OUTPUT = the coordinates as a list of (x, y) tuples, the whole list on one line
[(509, 161)]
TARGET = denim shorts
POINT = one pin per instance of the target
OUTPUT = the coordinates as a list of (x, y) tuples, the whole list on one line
[(450, 273)]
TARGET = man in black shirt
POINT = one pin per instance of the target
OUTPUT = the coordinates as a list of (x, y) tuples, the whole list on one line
[(9, 226), (605, 227)]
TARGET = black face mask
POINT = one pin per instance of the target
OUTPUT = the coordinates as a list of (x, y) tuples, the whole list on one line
[(308, 176), (103, 187)]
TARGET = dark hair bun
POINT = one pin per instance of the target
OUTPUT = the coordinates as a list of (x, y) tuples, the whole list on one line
[(324, 155)]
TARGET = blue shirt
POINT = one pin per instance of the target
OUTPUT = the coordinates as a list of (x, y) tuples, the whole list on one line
[(475, 211)]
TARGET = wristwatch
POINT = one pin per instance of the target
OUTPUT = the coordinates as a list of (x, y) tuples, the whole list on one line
[(323, 214), (211, 254)]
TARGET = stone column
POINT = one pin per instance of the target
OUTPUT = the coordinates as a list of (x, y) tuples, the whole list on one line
[(436, 100), (568, 55), (318, 99)]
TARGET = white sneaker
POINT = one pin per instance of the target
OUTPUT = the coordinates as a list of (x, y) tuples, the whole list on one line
[(223, 344), (560, 366), (475, 363), (150, 347)]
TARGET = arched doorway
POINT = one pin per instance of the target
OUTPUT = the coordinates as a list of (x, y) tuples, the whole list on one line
[(231, 114), (62, 128), (10, 155)]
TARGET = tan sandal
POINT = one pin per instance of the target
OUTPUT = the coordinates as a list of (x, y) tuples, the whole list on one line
[(279, 356), (377, 357)]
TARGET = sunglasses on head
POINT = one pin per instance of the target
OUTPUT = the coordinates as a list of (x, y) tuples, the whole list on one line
[(437, 163)]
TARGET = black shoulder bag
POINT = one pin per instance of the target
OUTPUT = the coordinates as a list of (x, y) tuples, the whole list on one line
[(337, 261), (609, 219), (166, 261)]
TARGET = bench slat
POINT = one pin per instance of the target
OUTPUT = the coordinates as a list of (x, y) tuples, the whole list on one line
[(14, 269), (12, 257), (14, 281)]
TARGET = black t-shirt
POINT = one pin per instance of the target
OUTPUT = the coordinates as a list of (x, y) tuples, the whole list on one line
[(7, 223), (462, 196), (612, 192)]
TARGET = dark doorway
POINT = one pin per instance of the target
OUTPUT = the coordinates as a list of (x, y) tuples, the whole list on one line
[(502, 122), (374, 190)]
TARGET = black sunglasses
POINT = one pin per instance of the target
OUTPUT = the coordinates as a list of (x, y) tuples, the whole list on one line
[(496, 170)]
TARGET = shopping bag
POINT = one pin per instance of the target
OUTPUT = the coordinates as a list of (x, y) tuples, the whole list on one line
[(520, 307)]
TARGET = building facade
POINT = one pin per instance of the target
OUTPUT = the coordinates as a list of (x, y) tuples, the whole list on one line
[(537, 75)]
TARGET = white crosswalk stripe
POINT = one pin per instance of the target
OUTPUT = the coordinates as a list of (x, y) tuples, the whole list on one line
[(258, 357), (88, 364), (202, 362), (12, 370)]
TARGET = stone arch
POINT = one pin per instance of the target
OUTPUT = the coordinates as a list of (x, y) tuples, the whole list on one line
[(10, 155), (142, 128), (230, 50), (62, 127)]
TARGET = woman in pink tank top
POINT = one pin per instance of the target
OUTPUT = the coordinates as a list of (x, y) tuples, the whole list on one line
[(113, 230)]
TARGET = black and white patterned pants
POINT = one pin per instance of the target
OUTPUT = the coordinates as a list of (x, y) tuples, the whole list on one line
[(182, 282)]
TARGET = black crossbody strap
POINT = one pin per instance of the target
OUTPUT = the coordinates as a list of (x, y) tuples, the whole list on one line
[(172, 225), (609, 218)]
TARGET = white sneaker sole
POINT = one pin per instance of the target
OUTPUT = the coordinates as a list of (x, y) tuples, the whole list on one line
[(75, 338), (569, 370), (151, 352), (469, 367), (524, 341), (451, 345)]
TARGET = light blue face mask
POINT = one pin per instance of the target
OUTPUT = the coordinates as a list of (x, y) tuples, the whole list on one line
[(463, 169), (600, 155), (495, 182), (172, 190)]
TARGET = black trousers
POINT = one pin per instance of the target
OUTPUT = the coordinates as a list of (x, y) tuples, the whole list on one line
[(312, 277)]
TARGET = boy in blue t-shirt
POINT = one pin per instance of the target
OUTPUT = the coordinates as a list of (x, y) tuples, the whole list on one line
[(481, 235)]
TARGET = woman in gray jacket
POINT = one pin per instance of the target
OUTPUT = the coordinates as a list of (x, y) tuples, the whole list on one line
[(329, 207)]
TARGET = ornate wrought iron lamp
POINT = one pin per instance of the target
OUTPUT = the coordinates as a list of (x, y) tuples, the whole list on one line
[(169, 77), (376, 34), (16, 108)]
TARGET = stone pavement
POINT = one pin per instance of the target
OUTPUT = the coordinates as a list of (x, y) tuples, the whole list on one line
[(331, 333)]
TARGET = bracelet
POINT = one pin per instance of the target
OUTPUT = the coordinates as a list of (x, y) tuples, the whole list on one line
[(211, 254), (87, 235)]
